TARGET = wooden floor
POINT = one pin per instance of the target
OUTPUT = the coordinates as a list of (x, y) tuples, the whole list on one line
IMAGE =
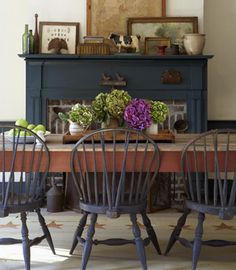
[(62, 226)]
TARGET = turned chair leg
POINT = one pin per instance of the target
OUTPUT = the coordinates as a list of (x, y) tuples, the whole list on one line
[(78, 232), (45, 230), (150, 231), (198, 240), (88, 242), (25, 241), (138, 241), (177, 230)]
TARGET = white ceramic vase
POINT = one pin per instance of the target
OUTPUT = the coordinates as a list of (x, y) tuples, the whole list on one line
[(194, 43), (153, 129), (75, 128)]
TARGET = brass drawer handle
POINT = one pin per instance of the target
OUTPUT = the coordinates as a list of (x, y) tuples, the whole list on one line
[(171, 76)]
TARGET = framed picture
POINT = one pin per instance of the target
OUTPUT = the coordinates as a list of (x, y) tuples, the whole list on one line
[(152, 43), (58, 37), (110, 16), (171, 27)]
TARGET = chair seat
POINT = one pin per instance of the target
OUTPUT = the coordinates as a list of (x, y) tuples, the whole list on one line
[(223, 213), (114, 212)]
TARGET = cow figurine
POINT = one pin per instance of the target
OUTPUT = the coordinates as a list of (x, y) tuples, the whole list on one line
[(125, 41)]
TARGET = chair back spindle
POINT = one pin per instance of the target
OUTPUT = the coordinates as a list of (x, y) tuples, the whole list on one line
[(209, 171), (113, 175)]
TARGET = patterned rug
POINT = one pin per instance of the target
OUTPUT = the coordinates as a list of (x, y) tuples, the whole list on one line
[(63, 224)]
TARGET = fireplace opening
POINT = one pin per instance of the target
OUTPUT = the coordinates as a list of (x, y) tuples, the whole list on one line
[(177, 111)]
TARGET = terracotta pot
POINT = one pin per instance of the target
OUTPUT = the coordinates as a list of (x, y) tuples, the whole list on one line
[(194, 43), (75, 128)]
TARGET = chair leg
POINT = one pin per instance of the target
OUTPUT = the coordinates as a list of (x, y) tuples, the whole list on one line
[(198, 240), (25, 241), (138, 241), (89, 241), (150, 231), (45, 230), (78, 232), (177, 230)]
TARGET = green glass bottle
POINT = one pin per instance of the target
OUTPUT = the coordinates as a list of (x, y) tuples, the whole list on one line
[(25, 40), (31, 42)]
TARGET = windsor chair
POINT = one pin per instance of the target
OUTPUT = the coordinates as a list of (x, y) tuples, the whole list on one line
[(23, 190), (209, 175), (100, 171)]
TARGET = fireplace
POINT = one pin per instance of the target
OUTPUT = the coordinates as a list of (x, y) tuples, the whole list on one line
[(178, 79), (56, 82)]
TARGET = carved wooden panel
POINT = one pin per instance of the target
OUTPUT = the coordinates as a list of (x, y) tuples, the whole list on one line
[(171, 76)]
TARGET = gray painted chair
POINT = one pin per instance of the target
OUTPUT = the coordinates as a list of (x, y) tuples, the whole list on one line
[(114, 178), (209, 175), (23, 186)]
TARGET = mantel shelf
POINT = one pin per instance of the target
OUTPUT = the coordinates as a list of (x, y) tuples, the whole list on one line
[(115, 56)]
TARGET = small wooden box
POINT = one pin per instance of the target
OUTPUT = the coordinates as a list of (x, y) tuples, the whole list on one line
[(93, 49)]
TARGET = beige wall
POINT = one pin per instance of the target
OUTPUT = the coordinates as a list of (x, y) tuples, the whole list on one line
[(15, 13), (220, 23)]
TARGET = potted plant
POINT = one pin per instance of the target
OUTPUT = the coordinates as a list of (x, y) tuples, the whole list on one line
[(137, 114), (80, 118), (159, 112), (109, 107)]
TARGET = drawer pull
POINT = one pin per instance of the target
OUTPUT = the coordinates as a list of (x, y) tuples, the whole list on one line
[(107, 80), (171, 76)]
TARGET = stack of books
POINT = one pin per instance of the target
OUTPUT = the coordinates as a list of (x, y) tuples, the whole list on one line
[(93, 39)]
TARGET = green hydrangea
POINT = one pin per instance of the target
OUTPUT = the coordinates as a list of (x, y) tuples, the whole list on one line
[(116, 102), (110, 105), (81, 114), (99, 107), (159, 111)]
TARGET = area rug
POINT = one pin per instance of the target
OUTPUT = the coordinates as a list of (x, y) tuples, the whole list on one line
[(63, 224)]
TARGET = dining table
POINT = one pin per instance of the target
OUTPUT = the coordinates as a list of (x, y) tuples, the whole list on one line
[(170, 153)]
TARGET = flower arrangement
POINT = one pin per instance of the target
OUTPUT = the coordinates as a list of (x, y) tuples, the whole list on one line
[(110, 105), (80, 114), (159, 111), (138, 114)]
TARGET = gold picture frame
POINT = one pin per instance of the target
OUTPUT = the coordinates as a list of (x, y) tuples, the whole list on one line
[(172, 27), (107, 16), (67, 31), (151, 44)]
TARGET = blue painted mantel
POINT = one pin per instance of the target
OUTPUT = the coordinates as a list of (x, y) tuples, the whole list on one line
[(179, 77)]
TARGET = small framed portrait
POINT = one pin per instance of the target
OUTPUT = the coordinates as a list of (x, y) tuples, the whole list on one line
[(58, 37), (152, 43)]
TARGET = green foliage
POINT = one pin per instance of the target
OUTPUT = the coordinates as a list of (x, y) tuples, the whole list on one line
[(159, 111), (99, 107), (81, 114), (110, 105)]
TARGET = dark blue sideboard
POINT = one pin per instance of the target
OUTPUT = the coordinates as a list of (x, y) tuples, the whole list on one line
[(180, 77)]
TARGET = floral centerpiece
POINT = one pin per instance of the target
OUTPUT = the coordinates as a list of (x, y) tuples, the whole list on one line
[(141, 114), (79, 114), (159, 111), (108, 106), (138, 114)]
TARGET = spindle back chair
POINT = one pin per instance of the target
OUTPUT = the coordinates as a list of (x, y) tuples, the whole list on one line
[(113, 170), (24, 164), (209, 175)]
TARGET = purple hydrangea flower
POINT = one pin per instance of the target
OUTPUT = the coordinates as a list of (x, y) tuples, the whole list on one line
[(138, 114)]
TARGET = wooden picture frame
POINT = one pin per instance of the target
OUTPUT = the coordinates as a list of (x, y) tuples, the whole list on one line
[(67, 31), (151, 44), (172, 27), (117, 22)]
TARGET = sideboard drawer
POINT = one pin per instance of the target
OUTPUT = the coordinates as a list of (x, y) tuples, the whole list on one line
[(148, 75)]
